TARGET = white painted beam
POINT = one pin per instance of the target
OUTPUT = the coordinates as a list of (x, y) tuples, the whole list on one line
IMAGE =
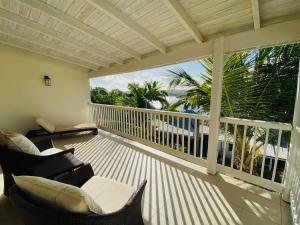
[(60, 36), (47, 54), (184, 19), (71, 21), (255, 14), (36, 41), (275, 34), (215, 104), (118, 15)]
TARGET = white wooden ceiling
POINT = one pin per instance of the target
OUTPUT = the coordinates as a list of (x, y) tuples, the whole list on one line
[(99, 34)]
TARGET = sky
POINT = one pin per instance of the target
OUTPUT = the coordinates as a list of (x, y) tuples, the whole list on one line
[(161, 74)]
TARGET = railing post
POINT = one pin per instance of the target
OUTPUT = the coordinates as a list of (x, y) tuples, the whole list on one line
[(215, 104), (294, 146)]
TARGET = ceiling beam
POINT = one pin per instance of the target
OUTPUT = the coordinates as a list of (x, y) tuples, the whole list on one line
[(255, 14), (123, 19), (73, 22), (47, 54), (267, 36), (60, 36), (36, 41), (184, 19)]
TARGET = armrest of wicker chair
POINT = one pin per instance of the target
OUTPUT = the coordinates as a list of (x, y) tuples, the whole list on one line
[(76, 177), (33, 214)]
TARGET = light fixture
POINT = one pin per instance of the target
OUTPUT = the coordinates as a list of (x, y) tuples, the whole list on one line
[(47, 80)]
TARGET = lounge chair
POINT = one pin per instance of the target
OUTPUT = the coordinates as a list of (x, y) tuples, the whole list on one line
[(49, 128), (19, 156), (119, 203)]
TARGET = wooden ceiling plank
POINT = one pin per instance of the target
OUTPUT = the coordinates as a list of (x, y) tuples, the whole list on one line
[(40, 52), (255, 14), (184, 19), (36, 41), (123, 19), (73, 22), (50, 32)]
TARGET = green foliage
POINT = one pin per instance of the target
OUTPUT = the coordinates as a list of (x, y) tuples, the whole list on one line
[(138, 96), (257, 84)]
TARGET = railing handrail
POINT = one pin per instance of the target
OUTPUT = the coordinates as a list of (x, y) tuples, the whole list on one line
[(157, 111), (257, 123)]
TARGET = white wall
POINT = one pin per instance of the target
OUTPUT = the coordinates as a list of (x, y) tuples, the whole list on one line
[(23, 94)]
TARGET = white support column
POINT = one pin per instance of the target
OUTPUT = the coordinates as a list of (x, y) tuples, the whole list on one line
[(215, 104), (294, 146)]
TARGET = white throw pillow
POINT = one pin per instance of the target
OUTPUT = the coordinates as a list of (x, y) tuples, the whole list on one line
[(50, 193), (19, 142), (45, 124)]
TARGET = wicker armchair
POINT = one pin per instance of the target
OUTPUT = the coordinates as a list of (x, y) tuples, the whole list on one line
[(20, 163), (33, 214)]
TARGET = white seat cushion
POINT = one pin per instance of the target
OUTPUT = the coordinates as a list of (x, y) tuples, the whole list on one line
[(18, 142), (80, 126), (53, 194), (45, 124), (110, 195), (51, 151)]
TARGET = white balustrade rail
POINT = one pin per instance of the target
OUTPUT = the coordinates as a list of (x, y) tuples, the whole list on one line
[(181, 134), (255, 151), (295, 178), (186, 136)]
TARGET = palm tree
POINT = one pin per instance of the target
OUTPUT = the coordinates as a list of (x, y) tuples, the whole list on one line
[(101, 95), (143, 97), (257, 84)]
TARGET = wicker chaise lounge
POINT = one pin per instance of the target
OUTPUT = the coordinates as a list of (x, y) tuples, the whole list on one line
[(120, 204), (49, 128)]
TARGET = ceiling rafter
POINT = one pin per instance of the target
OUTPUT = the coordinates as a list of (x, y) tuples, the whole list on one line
[(30, 38), (123, 19), (184, 19), (52, 33), (47, 54), (255, 14), (73, 22)]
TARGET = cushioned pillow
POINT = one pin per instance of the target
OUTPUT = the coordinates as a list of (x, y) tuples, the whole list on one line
[(18, 142), (50, 193), (45, 124), (109, 194)]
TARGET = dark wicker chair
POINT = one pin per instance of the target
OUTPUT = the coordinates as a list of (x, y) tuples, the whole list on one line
[(20, 163), (33, 214)]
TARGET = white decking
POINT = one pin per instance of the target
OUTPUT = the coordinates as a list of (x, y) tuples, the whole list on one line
[(177, 192)]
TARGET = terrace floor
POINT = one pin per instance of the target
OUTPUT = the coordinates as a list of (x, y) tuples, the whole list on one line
[(177, 192)]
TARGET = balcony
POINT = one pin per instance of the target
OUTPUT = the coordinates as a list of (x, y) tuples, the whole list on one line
[(178, 192), (201, 169)]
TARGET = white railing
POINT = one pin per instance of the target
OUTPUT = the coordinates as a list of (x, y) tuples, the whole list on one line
[(255, 151), (181, 134), (295, 177)]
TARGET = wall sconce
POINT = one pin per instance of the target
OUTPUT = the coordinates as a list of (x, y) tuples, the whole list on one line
[(47, 80)]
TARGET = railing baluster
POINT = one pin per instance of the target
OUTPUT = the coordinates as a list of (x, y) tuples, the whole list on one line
[(182, 138), (265, 152), (243, 147), (177, 137), (276, 156), (253, 150), (163, 129), (159, 127), (168, 133), (202, 139), (225, 144), (189, 136), (233, 145), (195, 136), (172, 138)]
